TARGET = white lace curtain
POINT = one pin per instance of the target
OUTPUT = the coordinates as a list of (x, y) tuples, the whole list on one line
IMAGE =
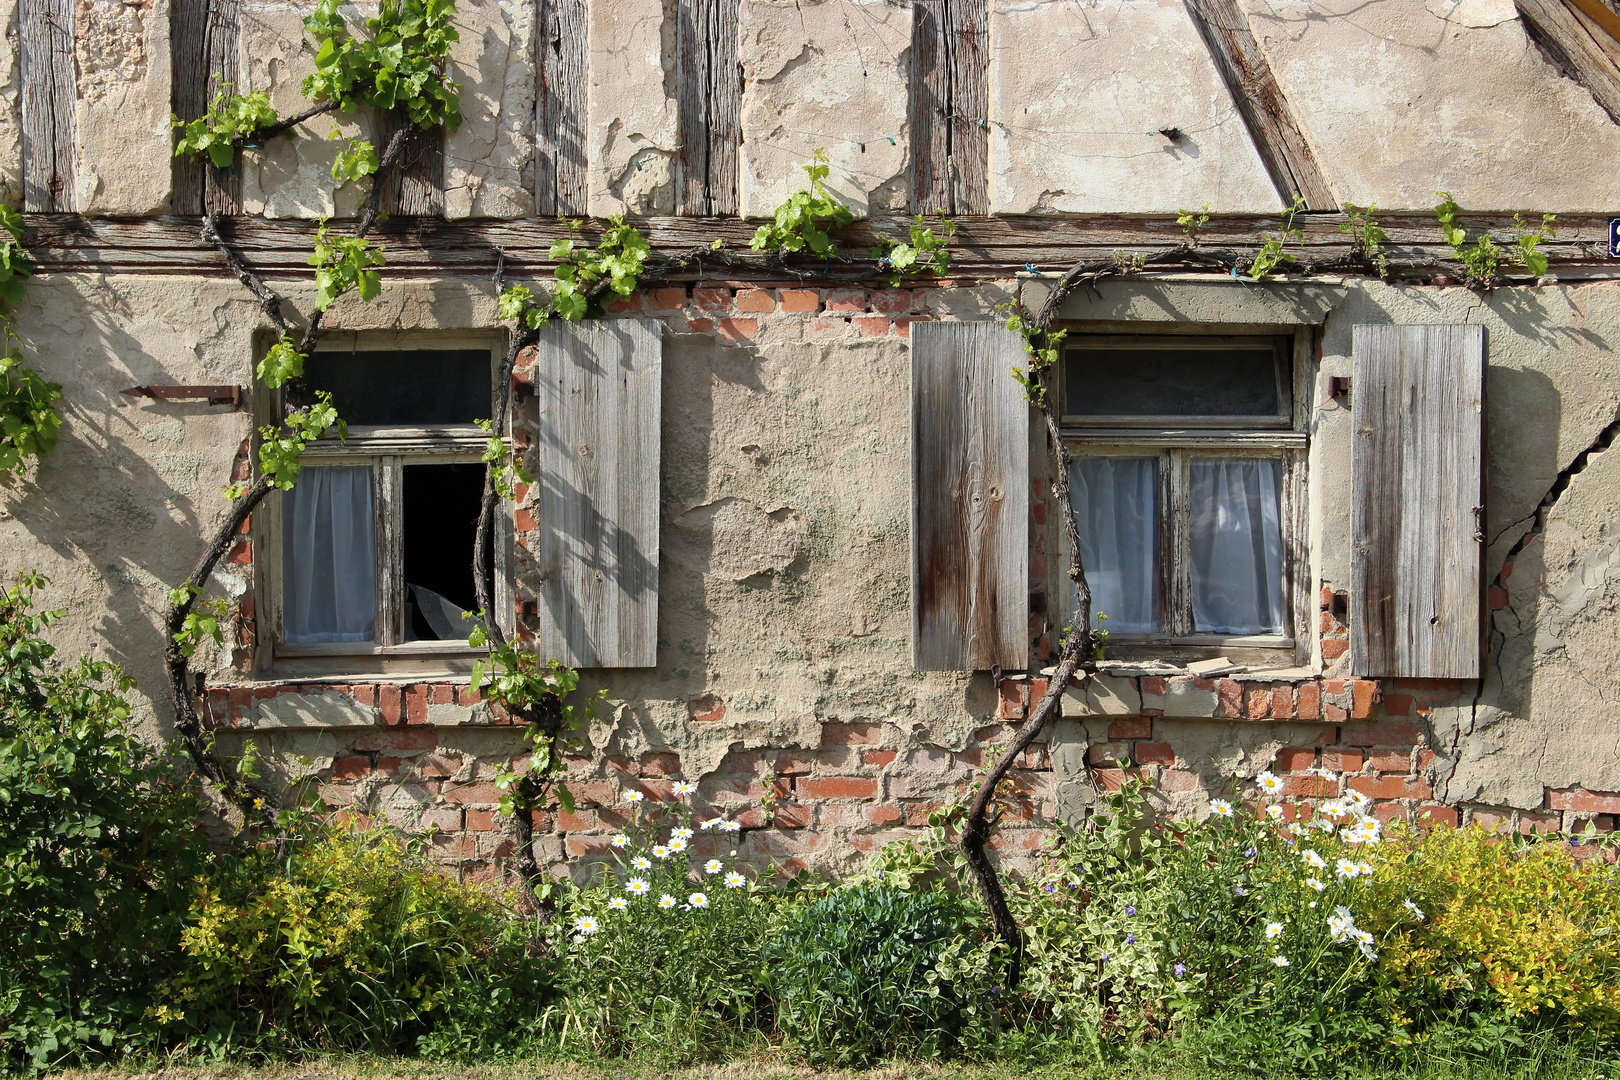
[(330, 591), (1236, 541), (1235, 538), (1117, 503)]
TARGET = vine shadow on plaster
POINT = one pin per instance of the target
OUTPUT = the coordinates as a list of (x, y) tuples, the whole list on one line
[(95, 502)]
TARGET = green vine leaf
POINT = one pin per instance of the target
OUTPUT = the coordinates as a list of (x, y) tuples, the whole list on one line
[(925, 251), (29, 422), (229, 119), (202, 622), (357, 158), (802, 222), (1479, 259), (280, 363), (344, 263), (400, 63), (1272, 253), (1367, 239), (504, 462), (281, 449)]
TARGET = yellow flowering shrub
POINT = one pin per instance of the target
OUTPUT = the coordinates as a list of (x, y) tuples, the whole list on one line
[(350, 940), (1526, 920)]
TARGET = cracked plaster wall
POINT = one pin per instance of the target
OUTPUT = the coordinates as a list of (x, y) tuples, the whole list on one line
[(833, 74), (784, 580), (631, 142), (1078, 93), (1400, 99)]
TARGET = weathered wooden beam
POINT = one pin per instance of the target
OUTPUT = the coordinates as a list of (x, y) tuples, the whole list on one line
[(1559, 29), (709, 107), (49, 99), (204, 40), (561, 109), (1260, 101), (415, 188), (950, 94), (997, 247)]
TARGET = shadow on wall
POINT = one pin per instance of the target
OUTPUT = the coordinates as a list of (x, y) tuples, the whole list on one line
[(127, 522)]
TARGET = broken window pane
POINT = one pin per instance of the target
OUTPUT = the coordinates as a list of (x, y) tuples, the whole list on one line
[(440, 521)]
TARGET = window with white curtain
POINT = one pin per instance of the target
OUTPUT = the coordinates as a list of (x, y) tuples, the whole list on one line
[(375, 538), (1188, 457)]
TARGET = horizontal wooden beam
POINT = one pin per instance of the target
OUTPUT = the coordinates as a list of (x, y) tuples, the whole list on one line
[(984, 248)]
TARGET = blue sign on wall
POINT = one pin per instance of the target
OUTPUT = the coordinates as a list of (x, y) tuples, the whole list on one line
[(1614, 238)]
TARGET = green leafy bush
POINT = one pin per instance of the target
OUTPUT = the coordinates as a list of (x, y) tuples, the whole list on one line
[(660, 948), (857, 975), (98, 845), (353, 941), (231, 117)]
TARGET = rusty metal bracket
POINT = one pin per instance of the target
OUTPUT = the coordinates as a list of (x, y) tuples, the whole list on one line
[(216, 395)]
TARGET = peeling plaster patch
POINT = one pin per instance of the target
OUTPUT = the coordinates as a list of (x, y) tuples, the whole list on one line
[(10, 107), (647, 185), (1474, 13), (489, 159), (121, 119), (831, 74), (734, 539), (632, 107), (1400, 102), (292, 178)]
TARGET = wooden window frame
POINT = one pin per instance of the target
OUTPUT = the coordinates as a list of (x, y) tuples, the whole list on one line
[(1176, 442), (387, 451)]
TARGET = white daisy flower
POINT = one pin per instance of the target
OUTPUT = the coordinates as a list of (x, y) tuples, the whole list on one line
[(666, 902), (620, 840), (1297, 828), (1364, 942), (1315, 884), (1269, 783), (1364, 868), (618, 903), (637, 886), (1274, 812), (1312, 859), (1273, 931), (730, 826), (1417, 912), (698, 900), (709, 824), (680, 832), (587, 925), (633, 796), (712, 866), (1359, 800), (641, 862), (1333, 808), (677, 844), (683, 787), (1220, 807), (1280, 961), (660, 852), (735, 880), (1325, 825), (1341, 924), (1346, 868)]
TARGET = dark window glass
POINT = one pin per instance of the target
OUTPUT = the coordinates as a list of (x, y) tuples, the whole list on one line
[(1110, 381), (405, 388), (441, 520)]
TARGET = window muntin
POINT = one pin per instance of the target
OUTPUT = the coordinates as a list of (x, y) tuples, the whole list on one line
[(1188, 523)]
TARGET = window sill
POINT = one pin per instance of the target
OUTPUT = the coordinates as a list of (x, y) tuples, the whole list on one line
[(413, 660), (1157, 689)]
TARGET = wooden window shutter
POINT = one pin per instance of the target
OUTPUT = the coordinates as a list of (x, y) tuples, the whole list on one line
[(593, 555), (970, 481), (1417, 467)]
